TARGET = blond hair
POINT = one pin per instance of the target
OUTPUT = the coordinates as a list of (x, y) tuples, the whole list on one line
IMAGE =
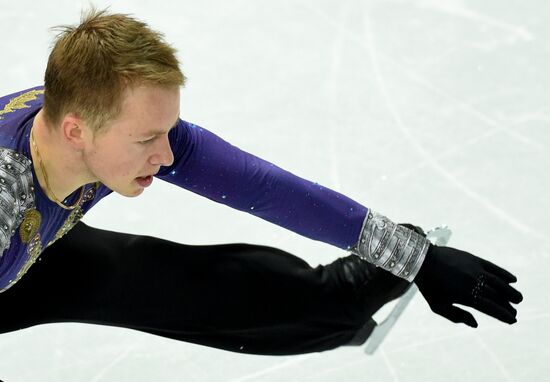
[(92, 64)]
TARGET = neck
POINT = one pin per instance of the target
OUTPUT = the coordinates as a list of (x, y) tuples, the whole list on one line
[(58, 162)]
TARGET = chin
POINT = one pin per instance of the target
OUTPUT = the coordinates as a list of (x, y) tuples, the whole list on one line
[(132, 194), (128, 192)]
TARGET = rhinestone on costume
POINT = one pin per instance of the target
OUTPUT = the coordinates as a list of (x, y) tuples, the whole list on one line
[(476, 291), (390, 246), (90, 193), (34, 249), (16, 180), (69, 223)]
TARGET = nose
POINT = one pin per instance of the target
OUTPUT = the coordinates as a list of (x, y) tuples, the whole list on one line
[(163, 155)]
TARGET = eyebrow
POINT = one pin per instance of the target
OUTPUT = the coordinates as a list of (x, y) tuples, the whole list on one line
[(160, 132)]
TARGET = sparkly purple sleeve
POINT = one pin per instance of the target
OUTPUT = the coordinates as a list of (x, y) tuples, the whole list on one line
[(209, 166)]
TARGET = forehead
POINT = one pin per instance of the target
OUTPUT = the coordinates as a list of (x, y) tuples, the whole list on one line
[(147, 108)]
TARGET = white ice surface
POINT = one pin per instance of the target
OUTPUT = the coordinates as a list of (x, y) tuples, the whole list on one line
[(427, 111)]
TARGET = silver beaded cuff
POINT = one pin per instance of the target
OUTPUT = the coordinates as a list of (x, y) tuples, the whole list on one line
[(390, 246)]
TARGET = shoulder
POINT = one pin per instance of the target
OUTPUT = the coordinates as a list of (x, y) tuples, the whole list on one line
[(23, 99)]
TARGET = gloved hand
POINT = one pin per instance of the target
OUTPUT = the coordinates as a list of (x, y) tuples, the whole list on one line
[(449, 276)]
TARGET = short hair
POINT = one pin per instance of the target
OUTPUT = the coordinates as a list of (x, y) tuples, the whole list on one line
[(92, 64)]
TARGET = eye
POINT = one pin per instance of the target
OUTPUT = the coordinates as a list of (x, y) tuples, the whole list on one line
[(147, 141)]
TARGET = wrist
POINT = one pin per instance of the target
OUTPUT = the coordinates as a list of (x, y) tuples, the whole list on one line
[(390, 246), (425, 268)]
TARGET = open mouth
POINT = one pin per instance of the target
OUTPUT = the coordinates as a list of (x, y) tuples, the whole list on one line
[(145, 181)]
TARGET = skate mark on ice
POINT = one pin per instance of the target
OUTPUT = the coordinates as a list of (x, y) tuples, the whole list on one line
[(495, 359), (498, 212), (332, 88), (366, 46), (289, 362), (457, 8), (390, 367), (115, 360), (467, 107)]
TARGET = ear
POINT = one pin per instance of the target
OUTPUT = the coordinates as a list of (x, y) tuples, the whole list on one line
[(75, 131)]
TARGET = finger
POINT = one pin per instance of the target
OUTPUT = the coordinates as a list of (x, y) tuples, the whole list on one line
[(498, 271), (511, 294), (490, 294), (456, 315), (493, 309)]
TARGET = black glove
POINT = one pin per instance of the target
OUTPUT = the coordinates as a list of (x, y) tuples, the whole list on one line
[(449, 276)]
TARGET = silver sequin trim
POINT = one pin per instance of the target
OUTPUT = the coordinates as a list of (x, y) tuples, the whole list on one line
[(390, 246), (16, 193)]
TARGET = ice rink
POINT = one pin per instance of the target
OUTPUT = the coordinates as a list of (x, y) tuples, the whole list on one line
[(429, 111)]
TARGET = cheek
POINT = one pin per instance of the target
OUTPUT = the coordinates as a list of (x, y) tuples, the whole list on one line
[(130, 163), (115, 163), (124, 166)]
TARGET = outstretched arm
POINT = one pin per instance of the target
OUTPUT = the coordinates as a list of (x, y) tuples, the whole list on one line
[(209, 166)]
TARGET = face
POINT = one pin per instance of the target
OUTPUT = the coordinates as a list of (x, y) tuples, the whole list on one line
[(128, 150)]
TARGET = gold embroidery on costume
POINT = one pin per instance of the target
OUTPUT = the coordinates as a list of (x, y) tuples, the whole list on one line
[(75, 215), (30, 225), (70, 222), (20, 102), (29, 229), (34, 249)]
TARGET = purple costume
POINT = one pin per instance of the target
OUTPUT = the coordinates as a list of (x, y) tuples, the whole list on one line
[(203, 163)]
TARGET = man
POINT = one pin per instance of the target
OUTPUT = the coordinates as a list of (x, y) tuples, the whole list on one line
[(108, 119)]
